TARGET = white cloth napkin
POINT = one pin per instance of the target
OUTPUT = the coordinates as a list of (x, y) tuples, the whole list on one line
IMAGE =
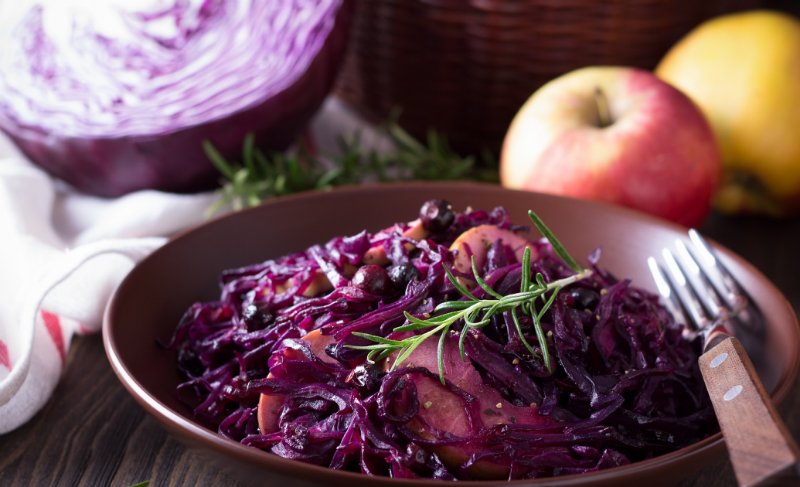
[(62, 254)]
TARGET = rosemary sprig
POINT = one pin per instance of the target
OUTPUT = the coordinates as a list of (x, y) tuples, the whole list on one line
[(533, 299), (262, 175)]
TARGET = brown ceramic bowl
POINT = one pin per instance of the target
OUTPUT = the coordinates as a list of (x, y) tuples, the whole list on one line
[(150, 301)]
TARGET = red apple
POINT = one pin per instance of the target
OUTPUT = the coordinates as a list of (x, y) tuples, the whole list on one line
[(615, 134)]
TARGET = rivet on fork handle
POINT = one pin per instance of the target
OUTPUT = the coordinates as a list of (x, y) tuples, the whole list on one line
[(761, 449)]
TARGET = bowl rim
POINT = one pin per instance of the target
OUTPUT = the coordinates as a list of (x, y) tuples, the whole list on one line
[(183, 426)]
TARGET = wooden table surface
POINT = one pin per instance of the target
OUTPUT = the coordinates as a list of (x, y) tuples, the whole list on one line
[(92, 433)]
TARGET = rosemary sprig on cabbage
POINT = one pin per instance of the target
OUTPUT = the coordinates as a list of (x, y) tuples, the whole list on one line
[(534, 298)]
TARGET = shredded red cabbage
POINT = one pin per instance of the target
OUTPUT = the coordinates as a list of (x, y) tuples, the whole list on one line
[(626, 386)]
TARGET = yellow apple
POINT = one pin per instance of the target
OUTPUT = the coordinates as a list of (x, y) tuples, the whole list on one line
[(743, 70)]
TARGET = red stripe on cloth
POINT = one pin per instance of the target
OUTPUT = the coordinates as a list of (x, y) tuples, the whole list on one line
[(5, 359), (53, 324)]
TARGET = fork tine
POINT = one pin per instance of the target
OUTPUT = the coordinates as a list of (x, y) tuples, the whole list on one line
[(670, 299), (705, 291), (736, 298), (723, 282), (687, 294)]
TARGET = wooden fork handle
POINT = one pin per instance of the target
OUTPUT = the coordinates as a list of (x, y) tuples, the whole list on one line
[(761, 449)]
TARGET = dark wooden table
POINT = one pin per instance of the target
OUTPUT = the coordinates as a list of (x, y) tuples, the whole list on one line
[(92, 433)]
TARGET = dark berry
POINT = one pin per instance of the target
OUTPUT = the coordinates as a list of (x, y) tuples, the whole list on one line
[(436, 215), (402, 274), (256, 316), (583, 298), (364, 377), (372, 278)]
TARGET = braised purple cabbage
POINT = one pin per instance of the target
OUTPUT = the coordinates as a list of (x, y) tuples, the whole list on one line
[(626, 385)]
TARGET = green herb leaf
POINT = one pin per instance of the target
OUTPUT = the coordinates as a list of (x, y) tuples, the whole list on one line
[(517, 325), (377, 338), (464, 291), (557, 246), (525, 279), (481, 282), (452, 305), (440, 356)]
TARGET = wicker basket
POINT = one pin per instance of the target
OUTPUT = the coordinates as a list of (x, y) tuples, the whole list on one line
[(465, 67)]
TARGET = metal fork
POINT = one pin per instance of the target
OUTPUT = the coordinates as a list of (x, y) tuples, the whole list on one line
[(700, 292)]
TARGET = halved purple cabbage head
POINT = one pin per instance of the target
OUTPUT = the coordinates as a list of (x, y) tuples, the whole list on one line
[(116, 96)]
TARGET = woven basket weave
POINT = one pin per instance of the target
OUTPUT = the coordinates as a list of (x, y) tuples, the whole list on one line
[(465, 67)]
